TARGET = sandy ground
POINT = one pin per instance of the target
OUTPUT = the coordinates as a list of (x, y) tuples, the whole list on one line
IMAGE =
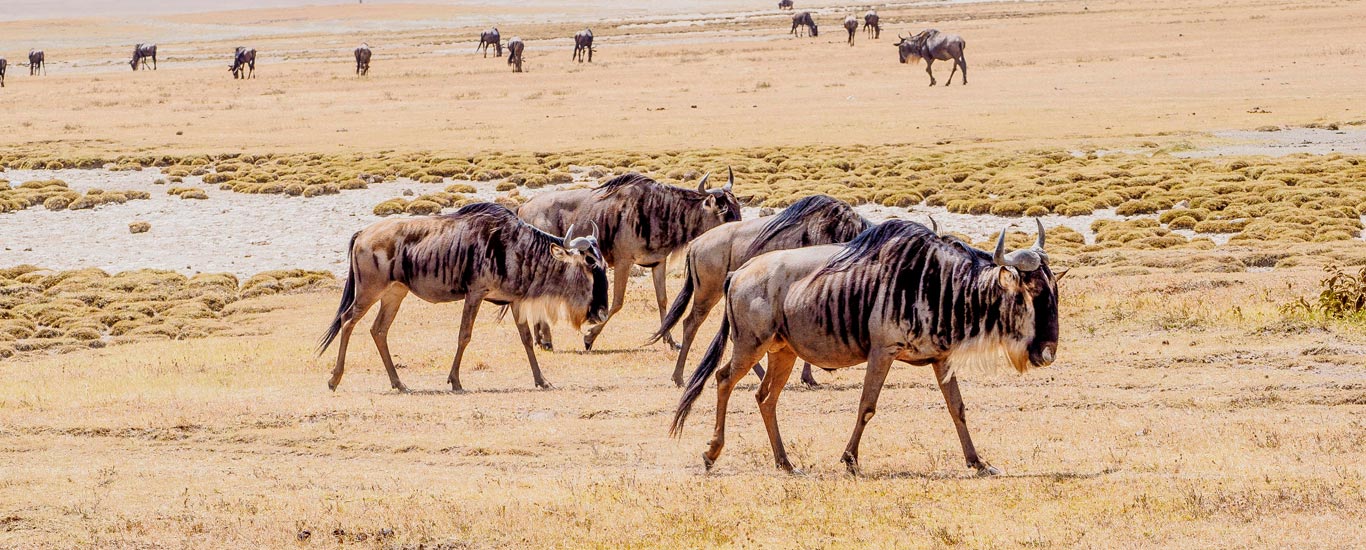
[(1097, 74)]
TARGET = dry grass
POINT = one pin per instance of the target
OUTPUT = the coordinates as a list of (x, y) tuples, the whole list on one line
[(1181, 413)]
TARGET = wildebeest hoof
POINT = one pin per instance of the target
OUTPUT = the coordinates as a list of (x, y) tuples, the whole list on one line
[(547, 346), (850, 464), (401, 388), (545, 385), (987, 470), (707, 462)]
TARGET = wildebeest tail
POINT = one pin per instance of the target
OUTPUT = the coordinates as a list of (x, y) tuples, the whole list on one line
[(680, 304), (348, 298), (710, 361)]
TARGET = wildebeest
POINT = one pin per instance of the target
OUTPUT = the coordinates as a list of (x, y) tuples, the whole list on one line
[(37, 61), (851, 26), (243, 63), (363, 59), (930, 45), (490, 38), (583, 43), (784, 4), (814, 220), (481, 252), (515, 48), (803, 20), (871, 25), (143, 52), (3, 65), (642, 222), (897, 292)]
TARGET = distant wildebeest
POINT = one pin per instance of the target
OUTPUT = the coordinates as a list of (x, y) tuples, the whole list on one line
[(851, 26), (490, 38), (243, 63), (897, 292), (515, 48), (481, 252), (3, 65), (818, 219), (871, 25), (143, 52), (583, 43), (784, 4), (363, 59), (37, 61), (642, 222), (803, 20), (931, 45)]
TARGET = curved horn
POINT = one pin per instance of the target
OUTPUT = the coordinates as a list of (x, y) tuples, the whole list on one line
[(702, 184), (1038, 244), (595, 228), (1000, 256), (934, 225), (730, 182), (569, 235)]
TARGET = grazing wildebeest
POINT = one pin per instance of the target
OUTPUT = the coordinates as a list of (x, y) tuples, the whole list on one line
[(243, 61), (784, 4), (804, 20), (363, 59), (818, 219), (490, 38), (871, 25), (515, 48), (37, 61), (143, 52), (897, 292), (851, 26), (3, 65), (642, 221), (481, 252), (931, 45), (583, 42)]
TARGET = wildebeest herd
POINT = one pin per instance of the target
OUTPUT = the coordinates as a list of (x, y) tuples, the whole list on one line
[(929, 45), (816, 282)]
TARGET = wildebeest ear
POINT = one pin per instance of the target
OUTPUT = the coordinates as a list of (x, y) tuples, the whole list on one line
[(561, 253), (1059, 275), (1009, 279)]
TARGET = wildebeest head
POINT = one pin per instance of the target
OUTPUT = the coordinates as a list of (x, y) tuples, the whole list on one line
[(721, 202), (1026, 274), (583, 250)]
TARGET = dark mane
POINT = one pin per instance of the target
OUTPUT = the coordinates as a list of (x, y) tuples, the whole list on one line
[(901, 234), (822, 207), (633, 179), (502, 214)]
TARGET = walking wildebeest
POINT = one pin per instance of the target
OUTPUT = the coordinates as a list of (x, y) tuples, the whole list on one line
[(515, 48), (871, 25), (243, 61), (37, 61), (642, 223), (583, 42), (481, 252), (897, 292), (804, 20), (931, 45), (3, 65), (851, 26), (363, 59), (818, 219), (143, 52), (490, 38), (784, 4)]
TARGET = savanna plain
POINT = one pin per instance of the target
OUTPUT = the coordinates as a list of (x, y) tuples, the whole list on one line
[(172, 246)]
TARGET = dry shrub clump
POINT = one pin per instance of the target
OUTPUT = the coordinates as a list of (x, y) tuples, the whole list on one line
[(139, 227), (54, 194), (60, 311), (188, 192)]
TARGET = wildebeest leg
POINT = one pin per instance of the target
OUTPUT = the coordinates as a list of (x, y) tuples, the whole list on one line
[(543, 338), (807, 378), (746, 353), (525, 332), (704, 299), (954, 400), (388, 309), (658, 273), (365, 297), (620, 275), (929, 62), (952, 72), (779, 369), (963, 62), (472, 301), (879, 363)]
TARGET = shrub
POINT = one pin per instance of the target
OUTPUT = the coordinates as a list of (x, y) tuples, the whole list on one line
[(390, 207), (139, 227)]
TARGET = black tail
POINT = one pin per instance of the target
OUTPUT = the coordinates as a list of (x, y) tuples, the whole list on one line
[(710, 361), (348, 299), (680, 304)]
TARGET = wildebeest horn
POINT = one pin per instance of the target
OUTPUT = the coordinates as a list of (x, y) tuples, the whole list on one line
[(702, 185), (1038, 244), (595, 228), (1023, 260), (730, 183), (569, 235), (934, 225)]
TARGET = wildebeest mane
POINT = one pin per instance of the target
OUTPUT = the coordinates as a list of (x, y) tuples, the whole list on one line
[(618, 183), (870, 244), (501, 213), (816, 211)]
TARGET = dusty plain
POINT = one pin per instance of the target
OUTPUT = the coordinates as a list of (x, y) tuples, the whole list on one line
[(1190, 406)]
